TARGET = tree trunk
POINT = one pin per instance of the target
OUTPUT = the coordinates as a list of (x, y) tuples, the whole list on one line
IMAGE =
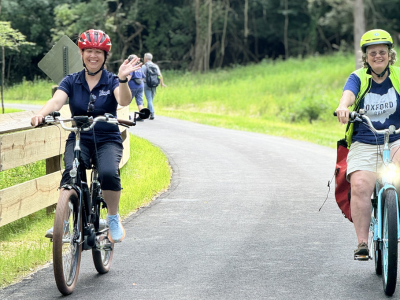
[(203, 18), (246, 21), (2, 74), (285, 34), (3, 60), (198, 53), (209, 37), (359, 29), (222, 51)]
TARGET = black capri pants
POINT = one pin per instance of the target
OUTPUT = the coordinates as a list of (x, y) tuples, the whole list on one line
[(106, 160)]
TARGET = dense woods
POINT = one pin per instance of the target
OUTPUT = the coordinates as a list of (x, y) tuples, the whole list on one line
[(195, 35)]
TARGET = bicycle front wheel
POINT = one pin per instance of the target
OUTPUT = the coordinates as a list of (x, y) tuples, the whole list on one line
[(389, 243), (66, 252)]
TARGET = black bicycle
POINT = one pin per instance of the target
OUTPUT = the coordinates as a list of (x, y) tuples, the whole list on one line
[(79, 222)]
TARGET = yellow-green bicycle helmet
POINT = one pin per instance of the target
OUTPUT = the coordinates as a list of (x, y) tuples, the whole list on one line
[(375, 36)]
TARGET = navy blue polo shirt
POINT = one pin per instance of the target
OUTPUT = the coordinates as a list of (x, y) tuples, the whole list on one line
[(77, 89)]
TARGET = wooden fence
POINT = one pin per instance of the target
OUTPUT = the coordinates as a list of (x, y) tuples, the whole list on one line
[(20, 144)]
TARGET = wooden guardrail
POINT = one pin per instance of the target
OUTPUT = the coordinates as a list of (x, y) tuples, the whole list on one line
[(20, 144)]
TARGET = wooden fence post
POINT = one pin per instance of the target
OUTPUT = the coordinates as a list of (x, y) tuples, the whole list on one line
[(53, 164)]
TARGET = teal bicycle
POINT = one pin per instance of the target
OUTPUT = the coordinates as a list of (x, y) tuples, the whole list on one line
[(384, 227)]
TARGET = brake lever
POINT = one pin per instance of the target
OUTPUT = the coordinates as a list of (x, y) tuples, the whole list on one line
[(356, 120)]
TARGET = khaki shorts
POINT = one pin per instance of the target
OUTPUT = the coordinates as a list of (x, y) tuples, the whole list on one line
[(365, 157)]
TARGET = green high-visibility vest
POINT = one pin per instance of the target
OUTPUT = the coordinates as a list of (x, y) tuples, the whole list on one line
[(366, 83)]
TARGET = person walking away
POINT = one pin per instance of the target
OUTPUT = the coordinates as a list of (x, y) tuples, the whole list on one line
[(375, 87), (153, 78), (135, 82), (92, 92)]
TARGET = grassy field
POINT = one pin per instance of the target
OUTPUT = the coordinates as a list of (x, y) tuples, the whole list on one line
[(293, 98), (23, 247)]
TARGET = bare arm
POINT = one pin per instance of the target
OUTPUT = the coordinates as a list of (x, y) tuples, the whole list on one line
[(54, 104), (346, 101), (162, 81), (123, 93)]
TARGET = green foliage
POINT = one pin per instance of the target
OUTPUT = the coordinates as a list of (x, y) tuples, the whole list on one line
[(11, 38), (73, 19)]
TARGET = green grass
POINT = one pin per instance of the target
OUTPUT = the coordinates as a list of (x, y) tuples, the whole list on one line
[(29, 92), (23, 247), (269, 90), (9, 110)]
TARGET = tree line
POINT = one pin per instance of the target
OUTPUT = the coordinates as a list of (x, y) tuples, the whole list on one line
[(193, 35)]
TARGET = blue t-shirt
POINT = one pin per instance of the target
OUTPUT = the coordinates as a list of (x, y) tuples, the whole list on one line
[(77, 89), (382, 106), (138, 75)]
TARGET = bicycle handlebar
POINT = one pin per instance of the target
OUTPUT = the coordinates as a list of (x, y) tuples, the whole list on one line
[(360, 115), (54, 118)]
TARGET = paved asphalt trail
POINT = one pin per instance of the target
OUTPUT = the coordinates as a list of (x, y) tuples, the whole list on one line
[(239, 221)]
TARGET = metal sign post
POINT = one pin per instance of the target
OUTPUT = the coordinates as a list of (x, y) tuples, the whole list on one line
[(63, 59)]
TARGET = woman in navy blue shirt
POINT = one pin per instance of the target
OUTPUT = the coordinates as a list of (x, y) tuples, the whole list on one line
[(95, 91)]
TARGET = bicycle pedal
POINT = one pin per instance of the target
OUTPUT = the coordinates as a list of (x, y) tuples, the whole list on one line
[(108, 247), (362, 257)]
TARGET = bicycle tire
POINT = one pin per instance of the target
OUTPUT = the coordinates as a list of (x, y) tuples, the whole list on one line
[(378, 259), (376, 250), (66, 256), (102, 258), (389, 243)]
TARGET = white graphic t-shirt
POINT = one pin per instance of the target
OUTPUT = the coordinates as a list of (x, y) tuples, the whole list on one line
[(382, 105)]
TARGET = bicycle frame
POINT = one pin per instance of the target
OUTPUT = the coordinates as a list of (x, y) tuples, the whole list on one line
[(79, 184), (380, 189)]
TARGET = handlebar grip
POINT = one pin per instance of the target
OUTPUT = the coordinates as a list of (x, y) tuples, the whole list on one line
[(126, 122), (41, 124), (335, 114), (55, 114)]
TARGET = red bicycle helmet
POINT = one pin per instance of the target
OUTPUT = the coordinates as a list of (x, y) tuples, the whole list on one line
[(96, 39)]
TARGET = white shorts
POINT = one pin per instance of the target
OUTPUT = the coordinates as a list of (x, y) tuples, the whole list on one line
[(366, 157)]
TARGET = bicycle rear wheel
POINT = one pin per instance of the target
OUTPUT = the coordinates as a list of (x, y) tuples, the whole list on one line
[(102, 258), (389, 243), (66, 252)]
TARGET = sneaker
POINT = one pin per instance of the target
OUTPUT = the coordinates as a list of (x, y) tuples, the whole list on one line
[(152, 116), (362, 252), (117, 232), (49, 233), (139, 119)]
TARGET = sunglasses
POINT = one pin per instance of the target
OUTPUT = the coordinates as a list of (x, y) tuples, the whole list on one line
[(90, 107), (374, 53)]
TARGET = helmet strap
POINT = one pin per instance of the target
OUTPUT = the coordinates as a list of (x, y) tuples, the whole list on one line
[(381, 74), (93, 74)]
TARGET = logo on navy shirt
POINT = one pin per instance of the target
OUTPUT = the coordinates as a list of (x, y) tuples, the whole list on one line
[(104, 93)]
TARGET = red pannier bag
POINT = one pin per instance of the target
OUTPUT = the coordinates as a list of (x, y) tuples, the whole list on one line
[(342, 186)]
